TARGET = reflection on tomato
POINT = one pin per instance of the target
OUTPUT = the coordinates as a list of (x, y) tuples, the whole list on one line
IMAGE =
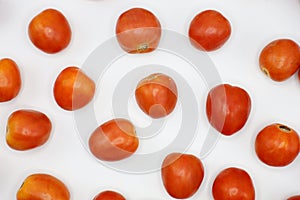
[(277, 145), (234, 184), (109, 195)]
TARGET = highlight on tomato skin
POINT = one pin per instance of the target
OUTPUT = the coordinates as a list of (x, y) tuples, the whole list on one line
[(138, 30)]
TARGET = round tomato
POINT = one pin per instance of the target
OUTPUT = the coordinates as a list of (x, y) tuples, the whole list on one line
[(277, 145), (73, 89), (50, 31), (156, 95), (209, 30), (109, 195), (10, 79), (228, 108), (182, 175), (296, 197), (138, 31), (234, 184), (280, 59), (114, 140)]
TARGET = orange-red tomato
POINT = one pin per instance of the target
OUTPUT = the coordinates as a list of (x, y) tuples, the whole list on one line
[(234, 184), (156, 95), (73, 89), (114, 140), (109, 195), (182, 175), (228, 108), (50, 31), (138, 31), (277, 145), (209, 30), (10, 79), (280, 59), (27, 129), (296, 197)]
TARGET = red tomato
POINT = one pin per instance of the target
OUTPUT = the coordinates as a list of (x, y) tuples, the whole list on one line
[(156, 95), (209, 30), (27, 129), (114, 140), (280, 59), (228, 108), (138, 31), (182, 175), (50, 31), (10, 79), (277, 145), (73, 89), (297, 197), (234, 184), (109, 195)]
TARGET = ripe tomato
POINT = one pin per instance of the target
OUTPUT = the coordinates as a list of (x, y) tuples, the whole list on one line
[(27, 129), (228, 108), (209, 30), (182, 174), (277, 145), (109, 195), (10, 79), (234, 184), (114, 140), (73, 89), (138, 31), (156, 95), (280, 59), (50, 31), (296, 197)]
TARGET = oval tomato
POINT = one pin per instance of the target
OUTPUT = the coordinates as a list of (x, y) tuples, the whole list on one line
[(280, 59), (109, 195), (10, 79), (209, 30), (138, 31), (73, 89), (114, 140), (234, 184), (50, 31), (182, 174), (228, 108), (156, 95), (277, 145)]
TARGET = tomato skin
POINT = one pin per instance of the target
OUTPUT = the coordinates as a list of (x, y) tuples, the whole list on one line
[(182, 174), (209, 30), (109, 195), (10, 79), (138, 31), (228, 108), (73, 89), (296, 197), (50, 31), (234, 184), (280, 59), (114, 140), (156, 95), (277, 145)]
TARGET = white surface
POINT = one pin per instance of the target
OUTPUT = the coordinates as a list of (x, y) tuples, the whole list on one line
[(254, 23)]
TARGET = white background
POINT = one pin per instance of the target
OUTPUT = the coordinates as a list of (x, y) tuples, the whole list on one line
[(254, 24)]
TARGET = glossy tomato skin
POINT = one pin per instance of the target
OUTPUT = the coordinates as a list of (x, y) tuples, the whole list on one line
[(73, 89), (114, 140), (228, 108), (10, 79), (138, 31), (233, 183), (280, 59), (182, 175), (277, 145), (209, 30), (50, 31), (156, 95), (109, 195), (296, 197)]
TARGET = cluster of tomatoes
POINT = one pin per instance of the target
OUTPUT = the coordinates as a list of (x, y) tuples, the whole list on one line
[(139, 31)]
